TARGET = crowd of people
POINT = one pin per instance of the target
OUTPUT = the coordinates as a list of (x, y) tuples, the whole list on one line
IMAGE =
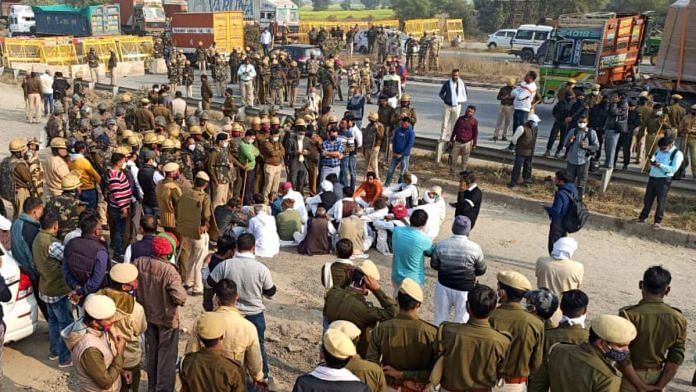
[(170, 186)]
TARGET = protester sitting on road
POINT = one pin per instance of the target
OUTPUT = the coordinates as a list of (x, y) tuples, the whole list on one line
[(405, 193)]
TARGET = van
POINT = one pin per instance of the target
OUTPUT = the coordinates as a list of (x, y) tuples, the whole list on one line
[(20, 21), (528, 39)]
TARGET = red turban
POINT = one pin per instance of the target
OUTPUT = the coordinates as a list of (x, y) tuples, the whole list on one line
[(161, 246)]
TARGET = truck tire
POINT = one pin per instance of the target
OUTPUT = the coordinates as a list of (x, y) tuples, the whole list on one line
[(653, 59), (527, 55)]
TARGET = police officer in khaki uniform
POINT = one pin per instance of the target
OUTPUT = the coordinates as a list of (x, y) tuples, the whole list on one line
[(404, 110), (405, 345), (220, 169), (367, 371), (168, 194), (472, 354), (208, 369), (590, 366), (675, 114), (527, 331), (143, 118), (349, 302), (658, 351)]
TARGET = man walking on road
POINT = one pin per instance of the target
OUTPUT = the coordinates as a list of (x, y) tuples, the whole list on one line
[(561, 204), (463, 139), (452, 93)]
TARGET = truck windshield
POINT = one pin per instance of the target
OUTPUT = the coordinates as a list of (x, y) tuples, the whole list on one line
[(286, 15), (153, 14)]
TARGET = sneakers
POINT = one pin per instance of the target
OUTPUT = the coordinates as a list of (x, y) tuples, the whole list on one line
[(638, 220), (53, 357), (656, 226), (557, 154), (65, 364)]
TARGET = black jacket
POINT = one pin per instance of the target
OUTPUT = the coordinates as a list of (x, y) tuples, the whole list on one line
[(307, 383), (446, 93), (469, 204)]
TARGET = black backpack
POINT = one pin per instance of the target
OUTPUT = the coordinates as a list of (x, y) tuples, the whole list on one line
[(681, 171), (577, 214)]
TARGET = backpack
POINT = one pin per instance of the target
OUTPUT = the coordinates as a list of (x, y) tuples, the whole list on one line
[(7, 182), (681, 171), (577, 214)]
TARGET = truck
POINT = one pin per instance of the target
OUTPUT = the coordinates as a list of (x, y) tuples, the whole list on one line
[(675, 66), (225, 29), (171, 7), (20, 20), (602, 48), (268, 13), (62, 20), (142, 17)]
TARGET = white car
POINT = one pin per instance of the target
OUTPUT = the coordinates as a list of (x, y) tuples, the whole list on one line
[(361, 44), (528, 39), (21, 312), (501, 38)]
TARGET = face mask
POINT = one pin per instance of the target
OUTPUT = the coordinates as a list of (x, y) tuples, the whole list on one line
[(582, 125), (225, 144), (595, 93), (658, 113), (616, 355), (191, 147), (332, 137), (276, 138)]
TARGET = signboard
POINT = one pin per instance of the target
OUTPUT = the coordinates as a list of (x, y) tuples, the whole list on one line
[(579, 33), (612, 61), (249, 7)]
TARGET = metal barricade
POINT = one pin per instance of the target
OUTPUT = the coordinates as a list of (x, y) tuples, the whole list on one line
[(454, 27), (102, 47), (58, 51), (22, 50), (135, 48)]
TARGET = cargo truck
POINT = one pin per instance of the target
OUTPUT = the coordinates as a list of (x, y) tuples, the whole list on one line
[(602, 48), (268, 13), (20, 20), (61, 20), (675, 67), (171, 7), (225, 29), (142, 17)]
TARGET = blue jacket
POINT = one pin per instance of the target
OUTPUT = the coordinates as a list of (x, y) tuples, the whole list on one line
[(403, 140), (23, 232), (561, 201)]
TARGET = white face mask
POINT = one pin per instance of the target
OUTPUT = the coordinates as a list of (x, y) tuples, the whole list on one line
[(191, 147), (225, 144), (582, 125), (276, 138), (658, 113)]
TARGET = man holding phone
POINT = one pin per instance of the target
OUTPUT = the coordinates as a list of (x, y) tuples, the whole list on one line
[(663, 165), (581, 143)]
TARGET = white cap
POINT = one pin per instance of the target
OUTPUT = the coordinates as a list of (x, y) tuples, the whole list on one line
[(5, 223)]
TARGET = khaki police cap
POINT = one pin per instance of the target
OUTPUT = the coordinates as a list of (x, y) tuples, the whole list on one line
[(369, 268), (255, 121), (333, 119), (677, 97), (329, 63), (167, 143), (70, 182), (126, 97), (237, 127), (293, 64), (160, 139), (405, 97), (99, 307), (211, 326), (412, 289), (373, 116), (300, 122), (124, 273), (171, 167), (123, 150), (596, 87), (275, 121), (144, 101), (127, 133), (58, 142), (17, 145), (348, 328), (133, 141), (614, 329), (203, 176), (514, 279), (227, 128), (150, 138), (265, 120), (210, 131), (195, 130), (174, 132), (177, 144), (338, 344), (572, 81)]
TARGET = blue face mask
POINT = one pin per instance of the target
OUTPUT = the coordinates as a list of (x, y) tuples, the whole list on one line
[(616, 355)]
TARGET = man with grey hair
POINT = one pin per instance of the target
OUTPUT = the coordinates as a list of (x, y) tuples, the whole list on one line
[(458, 261)]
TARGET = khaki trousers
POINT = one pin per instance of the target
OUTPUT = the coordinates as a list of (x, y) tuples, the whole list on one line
[(449, 117), (221, 194), (21, 195), (34, 107), (94, 74), (504, 122), (272, 179), (372, 159), (648, 376), (114, 77), (460, 151), (198, 250), (189, 91), (247, 88)]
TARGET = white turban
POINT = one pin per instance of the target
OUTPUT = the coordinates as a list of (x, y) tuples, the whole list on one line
[(326, 186), (564, 248)]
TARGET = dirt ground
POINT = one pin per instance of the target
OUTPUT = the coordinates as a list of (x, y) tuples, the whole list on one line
[(614, 264)]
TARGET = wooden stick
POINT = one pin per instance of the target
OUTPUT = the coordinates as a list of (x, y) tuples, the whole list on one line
[(646, 165)]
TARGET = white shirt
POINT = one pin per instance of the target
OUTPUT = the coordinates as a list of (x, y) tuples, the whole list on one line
[(314, 101), (395, 193), (524, 95), (266, 38), (357, 134), (263, 227), (246, 72), (436, 215), (46, 83), (179, 106)]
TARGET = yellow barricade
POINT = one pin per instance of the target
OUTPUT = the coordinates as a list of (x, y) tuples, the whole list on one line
[(419, 26), (22, 50), (454, 27), (135, 48), (102, 46), (58, 51), (305, 27)]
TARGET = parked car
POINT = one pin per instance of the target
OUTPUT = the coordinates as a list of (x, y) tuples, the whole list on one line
[(528, 39), (299, 53), (21, 313), (501, 38), (361, 43)]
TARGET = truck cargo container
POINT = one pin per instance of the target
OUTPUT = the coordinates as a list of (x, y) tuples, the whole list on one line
[(267, 13), (602, 48), (675, 66), (225, 29), (172, 7), (54, 20), (142, 16), (103, 19)]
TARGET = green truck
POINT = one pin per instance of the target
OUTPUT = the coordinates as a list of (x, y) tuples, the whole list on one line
[(602, 48)]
